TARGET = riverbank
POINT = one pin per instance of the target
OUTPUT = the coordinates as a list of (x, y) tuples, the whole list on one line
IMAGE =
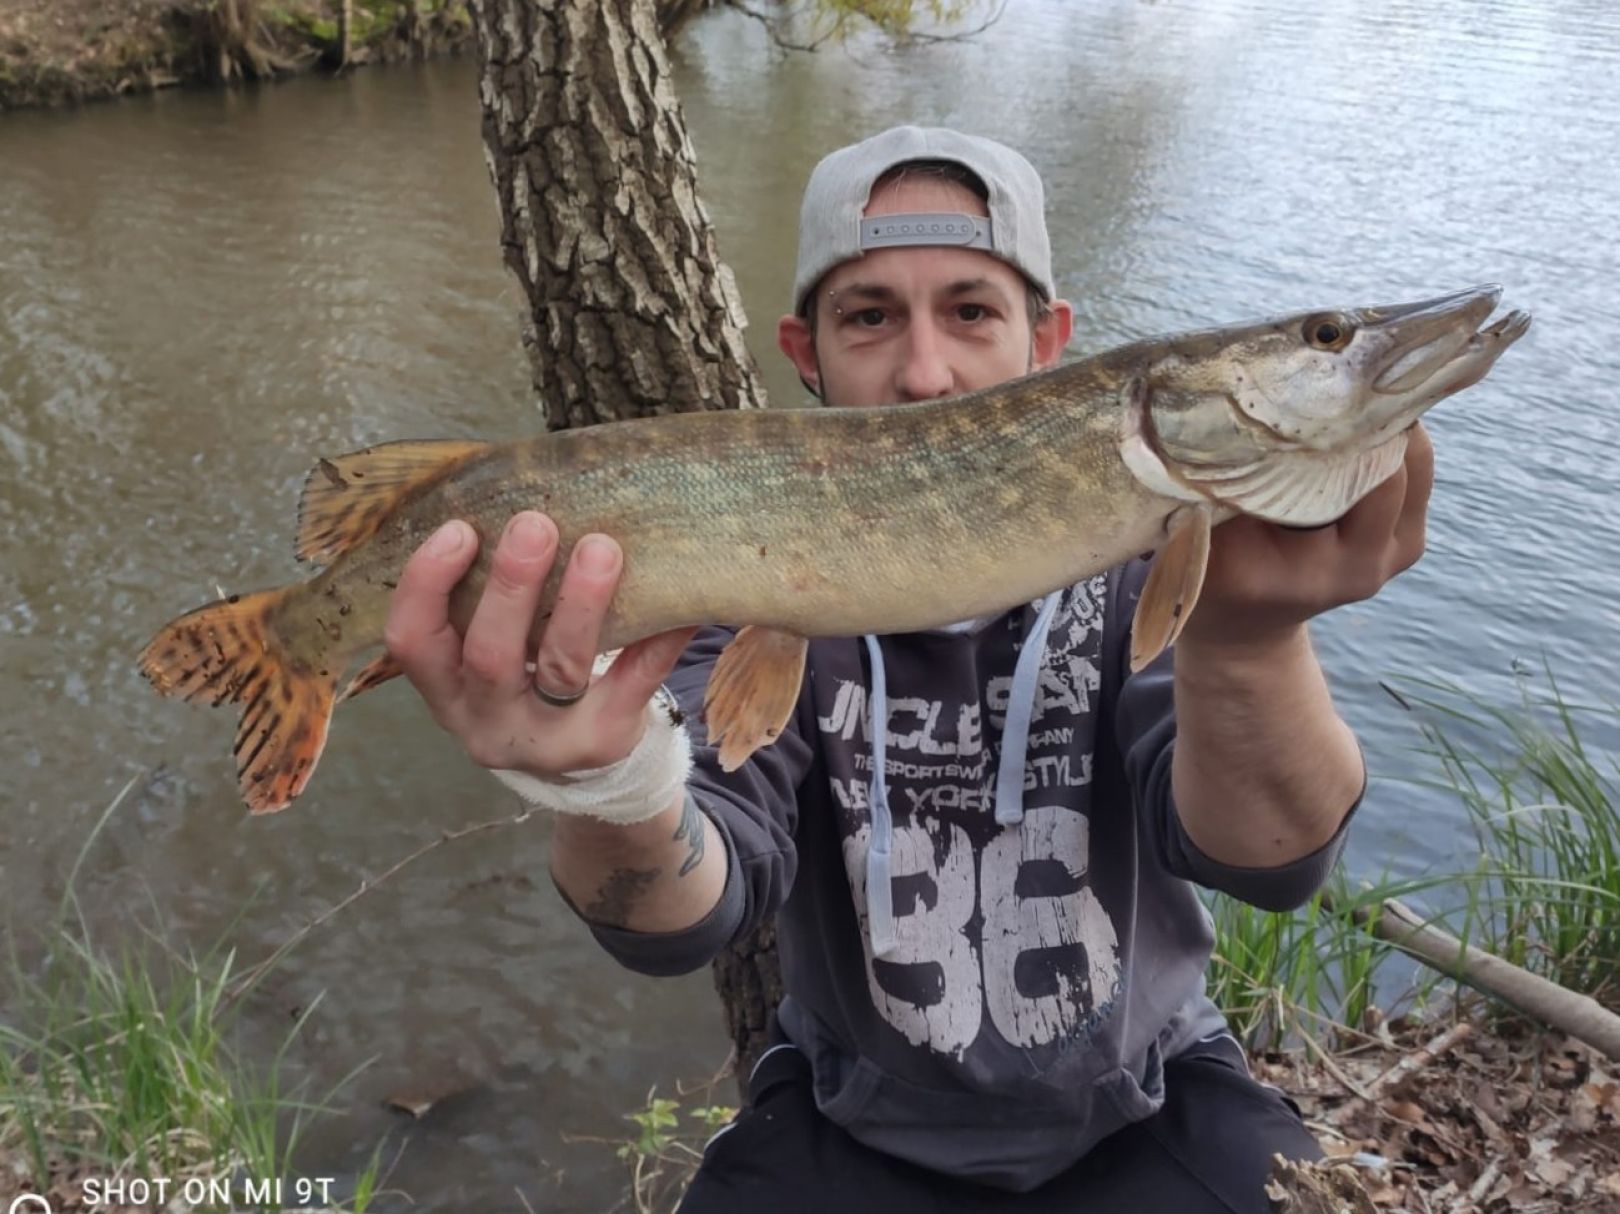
[(62, 52)]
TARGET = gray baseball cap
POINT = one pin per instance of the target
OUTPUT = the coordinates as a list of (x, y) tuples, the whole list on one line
[(832, 229)]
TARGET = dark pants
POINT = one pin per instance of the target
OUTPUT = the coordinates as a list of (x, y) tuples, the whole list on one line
[(1207, 1149)]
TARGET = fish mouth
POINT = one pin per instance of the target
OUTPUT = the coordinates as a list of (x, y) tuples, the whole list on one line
[(1442, 335)]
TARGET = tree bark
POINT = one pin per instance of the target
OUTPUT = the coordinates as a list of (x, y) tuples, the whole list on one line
[(630, 310)]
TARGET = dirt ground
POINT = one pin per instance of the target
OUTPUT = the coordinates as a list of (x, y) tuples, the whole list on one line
[(56, 52), (1465, 1118)]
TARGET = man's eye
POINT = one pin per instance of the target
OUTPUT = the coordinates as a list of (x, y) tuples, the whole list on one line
[(869, 318), (972, 312)]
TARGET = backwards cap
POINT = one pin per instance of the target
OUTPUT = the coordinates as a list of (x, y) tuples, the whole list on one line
[(832, 229)]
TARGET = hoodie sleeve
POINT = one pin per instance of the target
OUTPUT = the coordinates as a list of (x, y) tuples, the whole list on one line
[(755, 812), (1145, 731)]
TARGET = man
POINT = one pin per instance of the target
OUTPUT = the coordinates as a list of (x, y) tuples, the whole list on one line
[(979, 841)]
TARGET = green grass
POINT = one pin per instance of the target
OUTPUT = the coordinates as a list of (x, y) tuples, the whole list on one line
[(1308, 975), (118, 1061), (664, 1154), (1541, 800)]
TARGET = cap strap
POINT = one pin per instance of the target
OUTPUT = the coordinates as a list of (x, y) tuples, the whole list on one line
[(926, 228)]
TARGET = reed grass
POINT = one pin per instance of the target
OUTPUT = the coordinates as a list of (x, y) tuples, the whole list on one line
[(1541, 801), (1311, 975)]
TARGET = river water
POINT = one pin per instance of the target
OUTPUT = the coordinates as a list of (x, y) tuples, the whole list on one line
[(201, 292)]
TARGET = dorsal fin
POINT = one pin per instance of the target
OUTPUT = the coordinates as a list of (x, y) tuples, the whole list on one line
[(346, 499)]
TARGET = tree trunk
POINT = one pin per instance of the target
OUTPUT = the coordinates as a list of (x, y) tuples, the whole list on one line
[(630, 310), (345, 32)]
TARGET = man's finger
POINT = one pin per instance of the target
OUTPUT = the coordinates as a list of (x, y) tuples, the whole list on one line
[(1412, 527), (641, 669), (418, 632), (568, 645), (497, 640), (1366, 533)]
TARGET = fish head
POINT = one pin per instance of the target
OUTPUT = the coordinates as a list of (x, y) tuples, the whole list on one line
[(1295, 418), (1327, 381)]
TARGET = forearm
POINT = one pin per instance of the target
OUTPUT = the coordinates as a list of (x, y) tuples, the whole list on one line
[(1264, 769), (662, 874)]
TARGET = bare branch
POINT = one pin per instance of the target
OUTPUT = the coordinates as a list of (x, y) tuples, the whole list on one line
[(964, 35), (248, 979), (773, 28)]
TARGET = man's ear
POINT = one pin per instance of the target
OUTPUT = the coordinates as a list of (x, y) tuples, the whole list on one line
[(794, 338), (1052, 333)]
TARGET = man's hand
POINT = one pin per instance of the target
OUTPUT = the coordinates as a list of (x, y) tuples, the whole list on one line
[(477, 687), (1264, 580), (1264, 769)]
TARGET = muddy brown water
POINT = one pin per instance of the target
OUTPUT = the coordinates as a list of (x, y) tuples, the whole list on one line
[(201, 292)]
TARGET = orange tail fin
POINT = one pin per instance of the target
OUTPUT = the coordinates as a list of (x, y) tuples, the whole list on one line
[(228, 652)]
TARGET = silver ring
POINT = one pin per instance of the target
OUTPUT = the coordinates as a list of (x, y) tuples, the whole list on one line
[(559, 701)]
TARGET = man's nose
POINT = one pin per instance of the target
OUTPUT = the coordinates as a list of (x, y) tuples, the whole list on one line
[(925, 372)]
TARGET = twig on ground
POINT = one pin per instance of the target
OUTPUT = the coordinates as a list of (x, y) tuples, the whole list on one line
[(1418, 1059), (1332, 1067)]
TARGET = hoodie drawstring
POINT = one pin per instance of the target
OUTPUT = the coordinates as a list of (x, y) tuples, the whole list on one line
[(879, 889), (1009, 771), (1020, 711)]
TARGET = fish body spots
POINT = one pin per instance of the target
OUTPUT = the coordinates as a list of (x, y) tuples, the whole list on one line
[(800, 577), (330, 471), (815, 466)]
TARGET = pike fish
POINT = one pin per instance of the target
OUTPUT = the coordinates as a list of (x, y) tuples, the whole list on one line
[(843, 521)]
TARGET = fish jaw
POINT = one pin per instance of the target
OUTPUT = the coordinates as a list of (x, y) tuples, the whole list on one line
[(1440, 365)]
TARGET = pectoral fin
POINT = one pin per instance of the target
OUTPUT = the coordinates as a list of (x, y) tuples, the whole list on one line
[(752, 691), (1172, 586), (374, 674), (1302, 488)]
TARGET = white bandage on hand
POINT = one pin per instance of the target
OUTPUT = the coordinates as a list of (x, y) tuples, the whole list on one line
[(639, 786)]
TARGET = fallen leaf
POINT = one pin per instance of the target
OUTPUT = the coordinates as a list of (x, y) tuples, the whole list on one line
[(1582, 1115), (1552, 1172), (1407, 1110)]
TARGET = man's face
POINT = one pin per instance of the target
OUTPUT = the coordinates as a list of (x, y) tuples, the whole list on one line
[(916, 323)]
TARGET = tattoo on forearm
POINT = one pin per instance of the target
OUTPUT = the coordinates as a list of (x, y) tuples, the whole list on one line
[(621, 891), (691, 829)]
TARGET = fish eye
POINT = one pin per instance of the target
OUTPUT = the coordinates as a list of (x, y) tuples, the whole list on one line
[(1328, 332)]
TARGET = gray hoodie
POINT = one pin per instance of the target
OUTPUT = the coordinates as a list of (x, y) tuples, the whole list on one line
[(988, 938)]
